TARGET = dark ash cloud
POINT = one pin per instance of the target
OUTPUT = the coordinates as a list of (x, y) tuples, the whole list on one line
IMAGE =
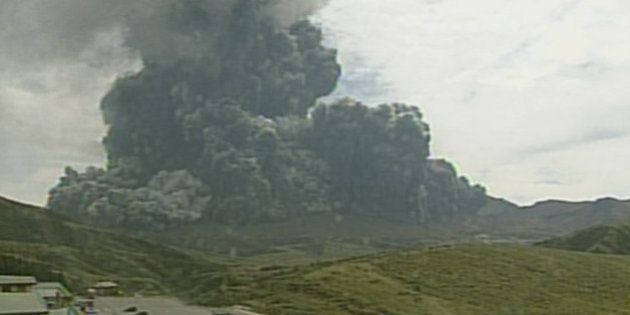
[(42, 32), (59, 58)]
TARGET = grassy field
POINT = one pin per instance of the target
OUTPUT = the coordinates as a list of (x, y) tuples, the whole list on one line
[(472, 279), (460, 279)]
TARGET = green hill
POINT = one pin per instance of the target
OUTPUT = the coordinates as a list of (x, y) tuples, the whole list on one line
[(604, 239), (34, 241), (443, 280), (463, 279)]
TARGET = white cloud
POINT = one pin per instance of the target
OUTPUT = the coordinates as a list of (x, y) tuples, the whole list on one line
[(50, 117), (527, 97)]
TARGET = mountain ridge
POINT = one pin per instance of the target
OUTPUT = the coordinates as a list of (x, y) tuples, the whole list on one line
[(498, 221)]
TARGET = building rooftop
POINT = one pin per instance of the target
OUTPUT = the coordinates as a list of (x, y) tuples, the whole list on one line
[(65, 311), (21, 303), (50, 289), (106, 285), (17, 280)]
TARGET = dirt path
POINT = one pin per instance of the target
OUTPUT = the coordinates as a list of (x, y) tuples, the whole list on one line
[(160, 306), (153, 305)]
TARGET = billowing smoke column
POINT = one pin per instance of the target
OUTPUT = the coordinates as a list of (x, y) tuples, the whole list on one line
[(187, 131), (215, 127)]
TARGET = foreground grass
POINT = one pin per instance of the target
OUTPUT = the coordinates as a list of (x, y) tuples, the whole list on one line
[(455, 280)]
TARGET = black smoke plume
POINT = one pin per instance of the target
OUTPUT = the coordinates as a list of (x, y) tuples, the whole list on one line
[(215, 126)]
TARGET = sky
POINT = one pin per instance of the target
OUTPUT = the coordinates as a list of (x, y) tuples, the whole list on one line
[(527, 97)]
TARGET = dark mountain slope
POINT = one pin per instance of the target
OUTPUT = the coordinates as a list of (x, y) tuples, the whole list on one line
[(34, 241), (329, 235), (548, 219)]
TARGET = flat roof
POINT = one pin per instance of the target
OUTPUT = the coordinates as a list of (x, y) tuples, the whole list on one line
[(106, 285), (65, 311), (49, 285), (21, 303), (50, 289), (17, 280), (50, 293)]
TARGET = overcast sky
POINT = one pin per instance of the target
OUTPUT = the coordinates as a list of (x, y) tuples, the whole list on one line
[(528, 97)]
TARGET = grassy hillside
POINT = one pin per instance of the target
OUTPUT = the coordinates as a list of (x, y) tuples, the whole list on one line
[(466, 279), (329, 236), (605, 239), (32, 241), (447, 280)]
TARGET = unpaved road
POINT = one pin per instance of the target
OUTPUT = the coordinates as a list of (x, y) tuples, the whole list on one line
[(156, 306)]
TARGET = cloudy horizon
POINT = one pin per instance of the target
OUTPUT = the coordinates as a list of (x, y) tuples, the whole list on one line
[(527, 98)]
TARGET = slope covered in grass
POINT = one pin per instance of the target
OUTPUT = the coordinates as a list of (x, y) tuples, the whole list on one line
[(604, 239), (467, 279), (448, 280), (33, 241)]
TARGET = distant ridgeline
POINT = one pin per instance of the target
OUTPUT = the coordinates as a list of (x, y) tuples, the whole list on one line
[(228, 129)]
